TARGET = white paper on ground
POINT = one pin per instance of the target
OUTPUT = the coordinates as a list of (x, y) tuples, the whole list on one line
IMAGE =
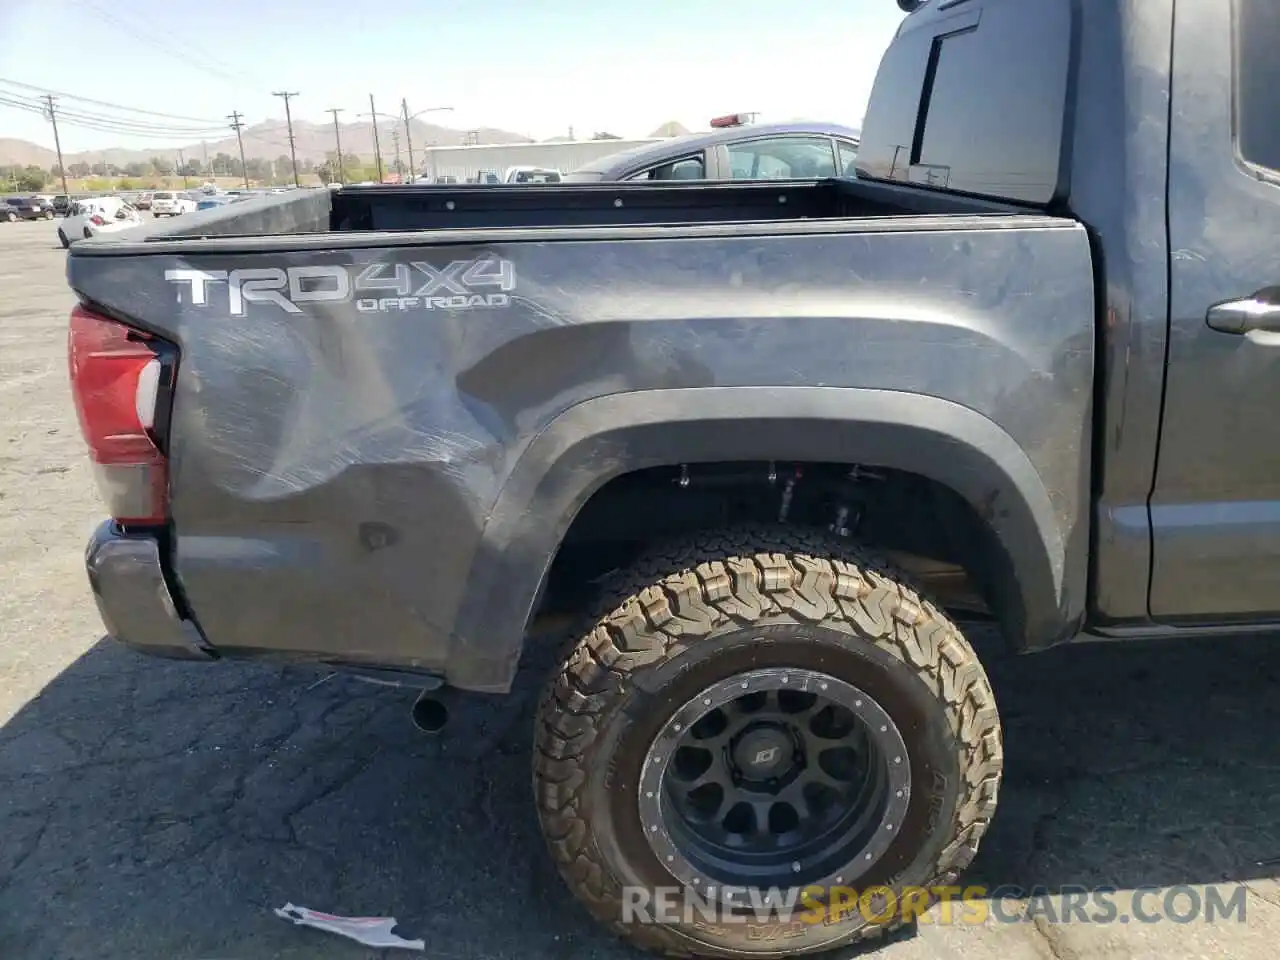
[(371, 931)]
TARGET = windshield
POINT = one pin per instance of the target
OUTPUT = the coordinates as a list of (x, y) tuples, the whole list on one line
[(162, 196)]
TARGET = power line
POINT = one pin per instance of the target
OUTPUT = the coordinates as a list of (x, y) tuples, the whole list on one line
[(377, 148), (408, 133), (262, 138), (57, 141), (408, 136), (237, 126), (288, 119), (101, 103), (167, 44), (337, 135), (102, 121)]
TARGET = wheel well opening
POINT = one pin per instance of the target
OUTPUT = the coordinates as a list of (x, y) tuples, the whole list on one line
[(923, 526)]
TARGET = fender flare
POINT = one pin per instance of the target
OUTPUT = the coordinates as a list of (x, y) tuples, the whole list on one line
[(597, 440)]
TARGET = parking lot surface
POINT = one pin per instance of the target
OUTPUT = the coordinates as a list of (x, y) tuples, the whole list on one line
[(151, 809)]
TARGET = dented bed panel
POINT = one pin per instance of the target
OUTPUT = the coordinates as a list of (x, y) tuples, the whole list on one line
[(345, 419)]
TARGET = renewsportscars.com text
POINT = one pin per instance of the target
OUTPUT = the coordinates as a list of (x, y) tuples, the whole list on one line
[(937, 905)]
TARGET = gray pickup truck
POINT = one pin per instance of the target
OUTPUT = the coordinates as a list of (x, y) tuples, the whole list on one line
[(774, 446)]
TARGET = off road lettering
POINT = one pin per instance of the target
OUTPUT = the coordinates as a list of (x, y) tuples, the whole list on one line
[(374, 288)]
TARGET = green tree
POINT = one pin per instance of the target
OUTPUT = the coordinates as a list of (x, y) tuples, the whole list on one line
[(30, 182), (162, 165), (137, 170), (79, 169)]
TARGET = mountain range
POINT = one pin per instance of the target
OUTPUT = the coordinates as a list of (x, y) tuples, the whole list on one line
[(270, 139)]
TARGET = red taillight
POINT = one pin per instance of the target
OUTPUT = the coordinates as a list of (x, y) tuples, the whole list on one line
[(116, 383), (97, 221)]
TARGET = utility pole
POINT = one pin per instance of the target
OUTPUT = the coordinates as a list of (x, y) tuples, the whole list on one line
[(182, 169), (408, 138), (204, 148), (377, 149), (288, 119), (57, 142), (337, 135), (395, 139), (236, 125)]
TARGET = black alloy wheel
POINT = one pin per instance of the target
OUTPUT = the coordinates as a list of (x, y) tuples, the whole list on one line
[(775, 777)]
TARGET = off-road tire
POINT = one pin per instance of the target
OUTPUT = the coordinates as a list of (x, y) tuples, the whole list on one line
[(704, 608), (48, 214), (11, 217), (62, 239)]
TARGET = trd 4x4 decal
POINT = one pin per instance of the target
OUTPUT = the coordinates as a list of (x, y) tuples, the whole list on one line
[(374, 287)]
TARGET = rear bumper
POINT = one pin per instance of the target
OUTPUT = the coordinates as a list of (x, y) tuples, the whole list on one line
[(133, 598)]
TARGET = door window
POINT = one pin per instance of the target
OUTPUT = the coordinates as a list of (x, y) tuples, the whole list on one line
[(686, 168), (1257, 81), (782, 158), (848, 158)]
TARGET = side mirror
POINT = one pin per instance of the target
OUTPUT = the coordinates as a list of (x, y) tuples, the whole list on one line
[(910, 6)]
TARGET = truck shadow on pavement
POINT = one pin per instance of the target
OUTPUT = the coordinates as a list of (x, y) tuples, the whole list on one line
[(158, 809)]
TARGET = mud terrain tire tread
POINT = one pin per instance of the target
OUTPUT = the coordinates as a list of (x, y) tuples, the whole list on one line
[(680, 593)]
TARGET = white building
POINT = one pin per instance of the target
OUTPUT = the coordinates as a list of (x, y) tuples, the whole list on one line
[(467, 162)]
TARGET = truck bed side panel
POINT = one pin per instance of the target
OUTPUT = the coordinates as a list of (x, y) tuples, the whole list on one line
[(336, 458)]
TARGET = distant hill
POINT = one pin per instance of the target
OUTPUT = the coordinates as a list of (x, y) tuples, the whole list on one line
[(25, 153), (670, 129), (268, 140)]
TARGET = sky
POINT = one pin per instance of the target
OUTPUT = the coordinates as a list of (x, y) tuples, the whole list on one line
[(537, 67)]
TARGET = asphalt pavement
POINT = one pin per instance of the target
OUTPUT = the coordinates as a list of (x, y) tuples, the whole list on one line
[(151, 809)]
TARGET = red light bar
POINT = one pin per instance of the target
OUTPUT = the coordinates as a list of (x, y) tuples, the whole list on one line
[(731, 120)]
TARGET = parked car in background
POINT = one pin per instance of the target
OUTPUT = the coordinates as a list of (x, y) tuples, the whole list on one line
[(165, 203), (88, 218), (219, 200), (142, 201), (532, 175), (25, 208), (736, 150), (61, 204)]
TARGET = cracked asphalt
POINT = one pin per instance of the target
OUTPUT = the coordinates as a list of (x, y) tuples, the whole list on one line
[(151, 809)]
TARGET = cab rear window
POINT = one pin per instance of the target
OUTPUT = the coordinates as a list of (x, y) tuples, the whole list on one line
[(972, 97), (1257, 79)]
